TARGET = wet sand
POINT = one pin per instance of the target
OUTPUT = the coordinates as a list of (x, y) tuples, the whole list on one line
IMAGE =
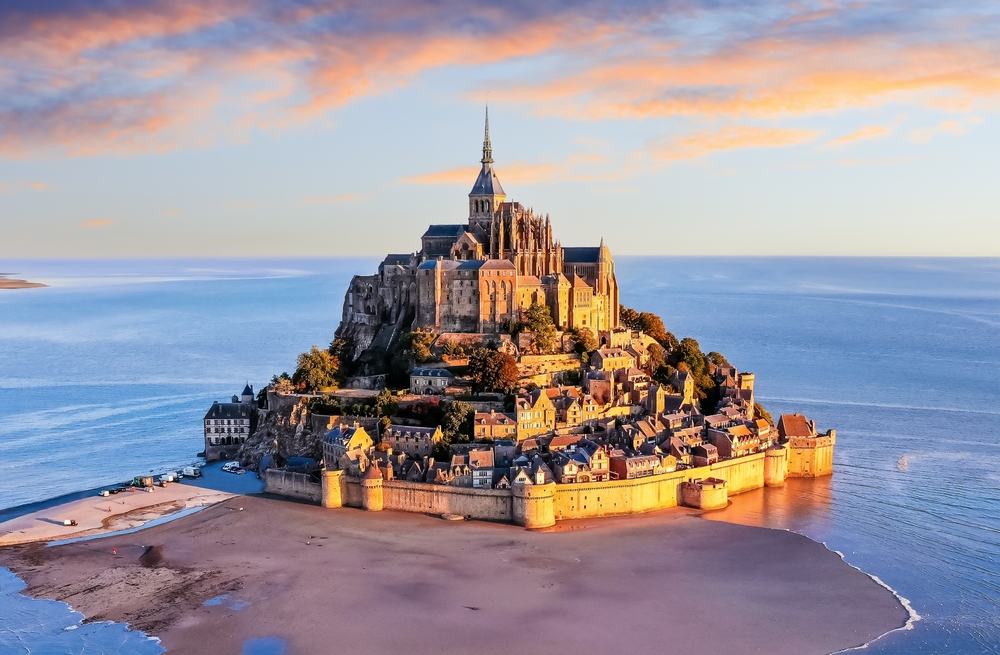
[(97, 514), (347, 581)]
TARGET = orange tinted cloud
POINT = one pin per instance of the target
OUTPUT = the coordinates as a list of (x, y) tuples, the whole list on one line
[(733, 137), (98, 77), (521, 172), (867, 132), (98, 222), (925, 134)]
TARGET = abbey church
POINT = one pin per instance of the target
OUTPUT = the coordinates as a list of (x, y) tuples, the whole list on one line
[(475, 276)]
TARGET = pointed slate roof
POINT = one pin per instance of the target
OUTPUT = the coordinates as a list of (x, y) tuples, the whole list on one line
[(487, 183)]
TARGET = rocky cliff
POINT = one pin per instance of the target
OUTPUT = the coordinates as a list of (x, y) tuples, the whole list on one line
[(287, 428)]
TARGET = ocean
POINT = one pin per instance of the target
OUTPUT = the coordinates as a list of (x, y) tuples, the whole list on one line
[(107, 374)]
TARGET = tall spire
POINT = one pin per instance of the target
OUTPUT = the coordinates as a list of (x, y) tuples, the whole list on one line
[(487, 148)]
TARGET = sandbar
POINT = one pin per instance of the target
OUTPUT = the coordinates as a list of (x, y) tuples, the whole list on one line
[(11, 283), (314, 580), (96, 515)]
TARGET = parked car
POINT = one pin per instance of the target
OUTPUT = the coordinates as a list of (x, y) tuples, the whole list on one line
[(232, 467)]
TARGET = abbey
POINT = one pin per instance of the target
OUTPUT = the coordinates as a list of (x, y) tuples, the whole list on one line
[(476, 276)]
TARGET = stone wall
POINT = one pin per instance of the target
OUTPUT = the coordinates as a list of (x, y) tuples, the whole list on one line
[(592, 499), (292, 485), (537, 506)]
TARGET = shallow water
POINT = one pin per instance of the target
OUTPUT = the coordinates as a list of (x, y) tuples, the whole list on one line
[(28, 625), (108, 374)]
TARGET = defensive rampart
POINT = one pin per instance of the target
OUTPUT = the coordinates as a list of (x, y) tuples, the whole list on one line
[(591, 499), (292, 485), (538, 506)]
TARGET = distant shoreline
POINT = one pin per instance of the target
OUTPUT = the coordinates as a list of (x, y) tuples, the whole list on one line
[(10, 283)]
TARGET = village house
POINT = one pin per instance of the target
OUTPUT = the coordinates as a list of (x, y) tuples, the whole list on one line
[(494, 425), (504, 452), (611, 360), (228, 425), (416, 442), (481, 466), (429, 380), (704, 454), (630, 467), (535, 414), (344, 438)]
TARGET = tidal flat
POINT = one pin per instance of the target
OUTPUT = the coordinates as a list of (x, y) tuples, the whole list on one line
[(251, 570)]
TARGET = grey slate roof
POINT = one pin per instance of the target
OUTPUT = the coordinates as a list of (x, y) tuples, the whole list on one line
[(581, 255), (487, 182), (446, 231), (431, 372), (228, 410)]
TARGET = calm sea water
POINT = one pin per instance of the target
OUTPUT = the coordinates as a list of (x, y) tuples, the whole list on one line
[(108, 373)]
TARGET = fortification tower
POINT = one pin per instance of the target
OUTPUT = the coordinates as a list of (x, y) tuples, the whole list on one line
[(486, 194), (534, 504), (371, 489)]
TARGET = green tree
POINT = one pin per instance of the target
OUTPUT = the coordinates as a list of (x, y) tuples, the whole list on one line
[(492, 370), (538, 320), (385, 404), (716, 358), (628, 317), (454, 349), (317, 369), (419, 345), (282, 383), (584, 340), (652, 325), (456, 424), (657, 356)]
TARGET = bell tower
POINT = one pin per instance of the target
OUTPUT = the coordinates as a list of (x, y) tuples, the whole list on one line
[(486, 194)]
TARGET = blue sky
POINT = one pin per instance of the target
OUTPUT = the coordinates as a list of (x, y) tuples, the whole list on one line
[(310, 128)]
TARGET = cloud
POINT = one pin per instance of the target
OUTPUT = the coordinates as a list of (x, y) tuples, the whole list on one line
[(170, 212), (97, 222), (733, 137), (953, 127), (153, 75), (14, 187), (867, 132), (522, 172), (242, 204)]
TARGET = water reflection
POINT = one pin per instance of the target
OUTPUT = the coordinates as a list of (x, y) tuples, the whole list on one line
[(802, 505)]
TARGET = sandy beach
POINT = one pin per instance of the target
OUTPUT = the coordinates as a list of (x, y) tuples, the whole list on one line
[(311, 580), (99, 515)]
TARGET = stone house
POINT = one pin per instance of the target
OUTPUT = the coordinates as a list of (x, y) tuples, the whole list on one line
[(535, 414), (344, 438), (481, 466), (416, 442), (611, 359), (704, 454), (494, 425), (429, 380), (630, 467), (228, 425)]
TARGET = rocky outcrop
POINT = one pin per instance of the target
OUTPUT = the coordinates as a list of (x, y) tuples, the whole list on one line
[(287, 428)]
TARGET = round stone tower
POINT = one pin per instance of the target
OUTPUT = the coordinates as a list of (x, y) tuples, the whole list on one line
[(775, 466), (333, 488), (534, 504), (371, 489)]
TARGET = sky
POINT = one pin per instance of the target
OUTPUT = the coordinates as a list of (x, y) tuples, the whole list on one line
[(238, 128)]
